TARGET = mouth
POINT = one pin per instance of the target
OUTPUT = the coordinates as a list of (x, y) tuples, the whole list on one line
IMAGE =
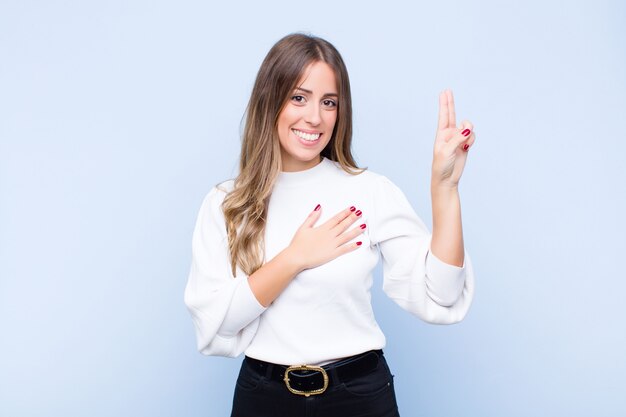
[(308, 137)]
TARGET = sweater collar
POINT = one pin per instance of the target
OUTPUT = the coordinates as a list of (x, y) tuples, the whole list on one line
[(295, 178)]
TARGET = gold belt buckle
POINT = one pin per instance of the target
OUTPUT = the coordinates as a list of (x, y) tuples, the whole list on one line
[(306, 368)]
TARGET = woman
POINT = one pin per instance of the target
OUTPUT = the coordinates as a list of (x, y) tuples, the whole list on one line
[(283, 254)]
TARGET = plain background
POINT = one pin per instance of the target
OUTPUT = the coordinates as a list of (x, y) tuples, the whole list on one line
[(117, 117)]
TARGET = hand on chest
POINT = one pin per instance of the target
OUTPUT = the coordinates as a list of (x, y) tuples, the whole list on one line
[(288, 211)]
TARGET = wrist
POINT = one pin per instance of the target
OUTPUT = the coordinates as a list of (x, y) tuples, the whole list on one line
[(438, 189), (445, 202), (290, 261)]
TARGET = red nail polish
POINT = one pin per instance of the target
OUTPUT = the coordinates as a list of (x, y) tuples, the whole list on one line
[(352, 208), (362, 226), (465, 147), (317, 207), (466, 132), (359, 243), (358, 212)]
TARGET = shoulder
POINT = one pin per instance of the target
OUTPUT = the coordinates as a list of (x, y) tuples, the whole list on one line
[(220, 190), (381, 188), (223, 188), (215, 196)]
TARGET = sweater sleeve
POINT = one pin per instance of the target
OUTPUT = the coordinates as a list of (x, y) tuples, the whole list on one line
[(413, 277), (224, 310)]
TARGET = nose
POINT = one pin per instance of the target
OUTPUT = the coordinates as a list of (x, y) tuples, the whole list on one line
[(312, 115)]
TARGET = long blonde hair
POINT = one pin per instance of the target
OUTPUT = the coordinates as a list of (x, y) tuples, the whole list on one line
[(245, 207)]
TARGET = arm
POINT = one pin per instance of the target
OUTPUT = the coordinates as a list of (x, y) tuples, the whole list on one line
[(449, 158), (224, 310), (214, 298), (414, 277), (271, 279), (447, 239)]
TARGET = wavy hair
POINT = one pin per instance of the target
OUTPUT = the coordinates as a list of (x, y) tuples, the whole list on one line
[(245, 207)]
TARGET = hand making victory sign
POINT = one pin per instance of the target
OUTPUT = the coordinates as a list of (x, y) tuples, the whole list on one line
[(449, 156), (451, 144)]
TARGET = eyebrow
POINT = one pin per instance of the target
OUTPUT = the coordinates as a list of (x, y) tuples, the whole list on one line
[(311, 92)]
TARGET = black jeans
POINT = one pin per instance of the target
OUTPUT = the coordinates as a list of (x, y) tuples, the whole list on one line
[(370, 395)]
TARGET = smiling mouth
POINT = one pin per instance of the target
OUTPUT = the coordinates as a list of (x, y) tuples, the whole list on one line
[(311, 137)]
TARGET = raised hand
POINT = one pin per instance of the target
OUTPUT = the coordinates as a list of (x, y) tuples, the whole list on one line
[(451, 144), (313, 246)]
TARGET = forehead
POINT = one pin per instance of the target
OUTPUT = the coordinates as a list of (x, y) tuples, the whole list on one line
[(319, 77)]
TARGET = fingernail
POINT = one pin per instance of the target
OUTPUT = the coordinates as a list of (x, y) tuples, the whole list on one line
[(358, 212), (317, 207), (465, 147), (466, 132), (359, 243), (352, 208), (362, 226)]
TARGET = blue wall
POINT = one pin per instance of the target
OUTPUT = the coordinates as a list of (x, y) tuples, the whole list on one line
[(117, 117)]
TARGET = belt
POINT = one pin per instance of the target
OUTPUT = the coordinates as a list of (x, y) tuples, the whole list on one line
[(310, 379)]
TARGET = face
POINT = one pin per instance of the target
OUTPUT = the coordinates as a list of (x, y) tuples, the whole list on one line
[(306, 123)]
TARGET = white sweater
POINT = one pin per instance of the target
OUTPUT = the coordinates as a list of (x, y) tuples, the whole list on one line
[(325, 313)]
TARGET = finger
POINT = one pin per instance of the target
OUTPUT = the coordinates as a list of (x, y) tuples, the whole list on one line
[(337, 218), (460, 138), (470, 141), (466, 124), (352, 233), (345, 223), (349, 247), (467, 127), (451, 111), (313, 217), (443, 111)]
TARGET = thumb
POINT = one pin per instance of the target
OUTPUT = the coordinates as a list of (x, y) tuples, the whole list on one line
[(313, 217)]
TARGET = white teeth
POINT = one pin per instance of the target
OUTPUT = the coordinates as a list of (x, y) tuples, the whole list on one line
[(306, 136)]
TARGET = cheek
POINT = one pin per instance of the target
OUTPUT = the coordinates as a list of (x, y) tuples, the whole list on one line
[(331, 120), (283, 135), (287, 118), (284, 125)]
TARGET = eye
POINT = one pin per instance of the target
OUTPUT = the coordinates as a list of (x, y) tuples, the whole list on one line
[(330, 103), (298, 99)]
